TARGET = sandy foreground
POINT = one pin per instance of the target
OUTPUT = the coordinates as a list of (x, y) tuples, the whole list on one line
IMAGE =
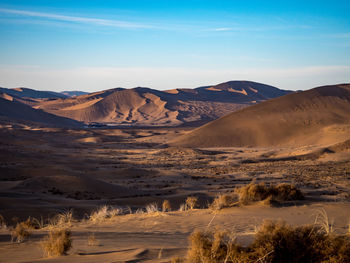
[(157, 237), (44, 171)]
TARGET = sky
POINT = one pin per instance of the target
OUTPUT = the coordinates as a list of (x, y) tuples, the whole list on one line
[(94, 45)]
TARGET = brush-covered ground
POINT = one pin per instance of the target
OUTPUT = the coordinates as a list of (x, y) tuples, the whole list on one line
[(45, 171)]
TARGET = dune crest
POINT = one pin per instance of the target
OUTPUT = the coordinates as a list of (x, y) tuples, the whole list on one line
[(317, 116)]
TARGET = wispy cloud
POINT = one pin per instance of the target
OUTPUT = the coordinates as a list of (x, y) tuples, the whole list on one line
[(76, 19), (223, 29)]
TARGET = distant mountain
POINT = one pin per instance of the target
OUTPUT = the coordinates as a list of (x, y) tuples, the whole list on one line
[(317, 116), (31, 93), (74, 93), (144, 106), (14, 110)]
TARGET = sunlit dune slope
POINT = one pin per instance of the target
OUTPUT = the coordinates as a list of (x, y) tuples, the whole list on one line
[(317, 116)]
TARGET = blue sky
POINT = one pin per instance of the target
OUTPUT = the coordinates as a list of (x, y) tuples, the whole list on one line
[(94, 45)]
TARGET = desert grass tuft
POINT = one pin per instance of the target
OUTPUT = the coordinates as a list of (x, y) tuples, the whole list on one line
[(92, 240), (22, 230), (223, 201), (62, 220), (323, 222), (192, 202), (152, 208), (57, 243), (103, 213), (166, 207)]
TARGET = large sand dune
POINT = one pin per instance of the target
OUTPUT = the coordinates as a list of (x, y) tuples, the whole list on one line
[(317, 116), (144, 106)]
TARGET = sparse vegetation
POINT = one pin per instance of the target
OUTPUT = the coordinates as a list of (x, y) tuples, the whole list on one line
[(57, 243), (275, 242), (222, 201), (191, 202), (22, 231), (270, 194), (103, 213), (92, 240), (62, 220), (166, 207), (152, 208)]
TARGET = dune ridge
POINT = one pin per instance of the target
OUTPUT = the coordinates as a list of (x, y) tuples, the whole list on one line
[(317, 116), (145, 106)]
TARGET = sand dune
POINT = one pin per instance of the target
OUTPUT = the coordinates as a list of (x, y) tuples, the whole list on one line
[(144, 106), (31, 93), (13, 109), (317, 116)]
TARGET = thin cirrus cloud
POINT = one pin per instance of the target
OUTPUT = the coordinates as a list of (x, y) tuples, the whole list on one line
[(77, 19)]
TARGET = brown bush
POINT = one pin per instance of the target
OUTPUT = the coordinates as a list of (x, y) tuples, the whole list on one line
[(57, 243), (22, 230), (191, 202), (271, 194), (222, 201), (166, 207), (275, 242)]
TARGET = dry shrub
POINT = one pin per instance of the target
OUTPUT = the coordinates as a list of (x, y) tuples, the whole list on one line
[(222, 201), (92, 240), (104, 212), (182, 207), (152, 208), (166, 207), (270, 194), (275, 242), (62, 220), (191, 202), (22, 230), (57, 243)]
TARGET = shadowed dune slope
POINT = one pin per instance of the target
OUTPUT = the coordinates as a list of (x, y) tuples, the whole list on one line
[(144, 106), (31, 93), (317, 116), (13, 109)]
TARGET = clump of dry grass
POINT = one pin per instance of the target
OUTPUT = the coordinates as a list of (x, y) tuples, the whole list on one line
[(275, 242), (57, 243), (152, 208), (103, 213), (182, 207), (62, 220), (191, 202), (223, 201), (22, 230), (92, 240), (270, 194), (166, 207)]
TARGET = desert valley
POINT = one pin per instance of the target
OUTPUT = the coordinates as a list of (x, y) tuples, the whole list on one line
[(182, 175)]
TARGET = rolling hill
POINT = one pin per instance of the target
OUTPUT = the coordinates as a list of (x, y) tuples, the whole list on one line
[(317, 116), (31, 93), (144, 106), (15, 110)]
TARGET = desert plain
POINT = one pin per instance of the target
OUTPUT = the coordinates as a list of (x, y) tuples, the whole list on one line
[(109, 183)]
